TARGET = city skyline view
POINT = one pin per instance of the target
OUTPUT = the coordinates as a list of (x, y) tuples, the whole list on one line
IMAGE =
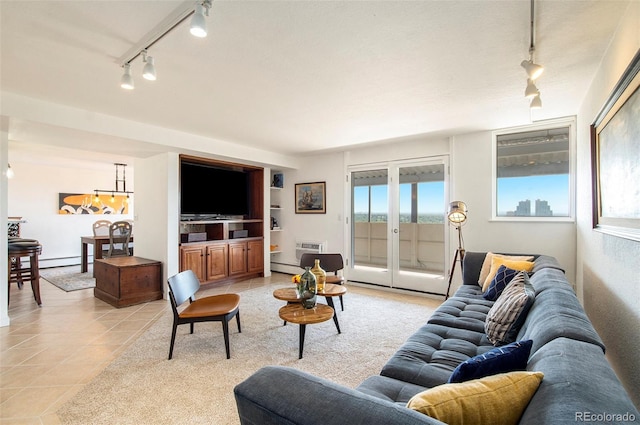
[(554, 189)]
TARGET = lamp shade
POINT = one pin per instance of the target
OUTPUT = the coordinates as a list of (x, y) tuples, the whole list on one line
[(533, 70), (126, 82), (457, 213), (149, 70), (536, 102), (531, 89), (198, 26)]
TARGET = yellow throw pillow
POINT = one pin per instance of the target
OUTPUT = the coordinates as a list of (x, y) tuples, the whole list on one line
[(486, 264), (496, 262), (497, 399)]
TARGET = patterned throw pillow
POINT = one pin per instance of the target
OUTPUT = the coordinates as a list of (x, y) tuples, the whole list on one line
[(499, 282), (508, 358), (510, 310), (496, 262)]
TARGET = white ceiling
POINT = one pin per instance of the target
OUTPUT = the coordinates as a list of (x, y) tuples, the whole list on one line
[(297, 77)]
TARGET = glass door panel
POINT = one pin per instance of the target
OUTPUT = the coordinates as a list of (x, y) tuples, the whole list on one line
[(370, 226), (421, 224), (398, 229)]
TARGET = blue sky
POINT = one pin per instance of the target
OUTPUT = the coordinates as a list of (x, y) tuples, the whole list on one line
[(552, 188)]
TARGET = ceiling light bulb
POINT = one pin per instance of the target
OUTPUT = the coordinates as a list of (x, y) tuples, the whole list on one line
[(126, 82), (533, 70), (531, 89), (113, 197), (97, 198), (536, 102), (10, 172), (149, 70), (198, 22)]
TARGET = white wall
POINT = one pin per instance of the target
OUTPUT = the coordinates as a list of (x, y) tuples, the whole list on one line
[(607, 266), (472, 177), (4, 154), (315, 227), (157, 212)]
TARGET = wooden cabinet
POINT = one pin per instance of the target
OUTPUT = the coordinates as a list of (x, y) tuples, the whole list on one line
[(217, 264), (237, 258), (255, 256), (192, 257), (222, 261), (221, 248)]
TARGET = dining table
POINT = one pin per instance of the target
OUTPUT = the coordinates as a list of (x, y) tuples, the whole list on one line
[(98, 243)]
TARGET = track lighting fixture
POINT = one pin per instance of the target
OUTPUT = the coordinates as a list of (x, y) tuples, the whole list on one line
[(531, 89), (536, 102), (149, 70), (198, 28), (198, 22), (126, 82), (533, 69)]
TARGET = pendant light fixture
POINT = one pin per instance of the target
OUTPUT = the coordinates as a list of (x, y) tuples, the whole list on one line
[(120, 186), (533, 69), (10, 172)]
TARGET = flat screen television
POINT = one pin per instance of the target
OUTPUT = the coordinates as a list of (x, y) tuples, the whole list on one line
[(210, 192)]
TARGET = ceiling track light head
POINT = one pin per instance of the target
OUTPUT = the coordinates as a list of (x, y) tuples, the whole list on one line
[(126, 82), (198, 26), (533, 70), (531, 89), (149, 70), (536, 102)]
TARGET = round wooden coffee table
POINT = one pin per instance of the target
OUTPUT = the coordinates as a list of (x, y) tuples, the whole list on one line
[(330, 290), (296, 313)]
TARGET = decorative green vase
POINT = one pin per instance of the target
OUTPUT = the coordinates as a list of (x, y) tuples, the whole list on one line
[(307, 289)]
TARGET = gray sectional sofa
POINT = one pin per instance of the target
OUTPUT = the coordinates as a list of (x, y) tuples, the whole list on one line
[(578, 386)]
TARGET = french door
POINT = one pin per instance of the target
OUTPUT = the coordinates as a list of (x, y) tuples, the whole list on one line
[(397, 228)]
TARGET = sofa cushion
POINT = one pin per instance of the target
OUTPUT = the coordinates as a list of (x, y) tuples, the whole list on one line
[(578, 380), (428, 357), (556, 312), (499, 282), (496, 262), (510, 310), (389, 389), (497, 399), (508, 358), (488, 259)]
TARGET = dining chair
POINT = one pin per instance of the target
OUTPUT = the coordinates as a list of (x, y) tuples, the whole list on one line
[(119, 237), (330, 263), (101, 228), (214, 308)]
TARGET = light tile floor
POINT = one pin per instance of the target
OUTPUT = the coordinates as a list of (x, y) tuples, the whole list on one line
[(49, 353)]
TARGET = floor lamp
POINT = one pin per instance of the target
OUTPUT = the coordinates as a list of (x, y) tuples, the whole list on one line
[(457, 215)]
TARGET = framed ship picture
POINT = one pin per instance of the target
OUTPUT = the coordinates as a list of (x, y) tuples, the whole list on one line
[(311, 198)]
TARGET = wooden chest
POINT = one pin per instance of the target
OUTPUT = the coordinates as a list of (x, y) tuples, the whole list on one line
[(124, 281)]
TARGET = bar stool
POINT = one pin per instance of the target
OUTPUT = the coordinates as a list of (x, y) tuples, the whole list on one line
[(19, 248)]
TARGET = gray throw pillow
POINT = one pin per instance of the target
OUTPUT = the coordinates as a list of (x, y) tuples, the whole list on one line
[(510, 310)]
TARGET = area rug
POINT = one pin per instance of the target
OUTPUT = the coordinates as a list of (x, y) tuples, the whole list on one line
[(69, 278), (196, 386)]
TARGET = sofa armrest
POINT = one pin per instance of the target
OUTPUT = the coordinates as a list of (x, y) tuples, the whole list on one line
[(281, 395)]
